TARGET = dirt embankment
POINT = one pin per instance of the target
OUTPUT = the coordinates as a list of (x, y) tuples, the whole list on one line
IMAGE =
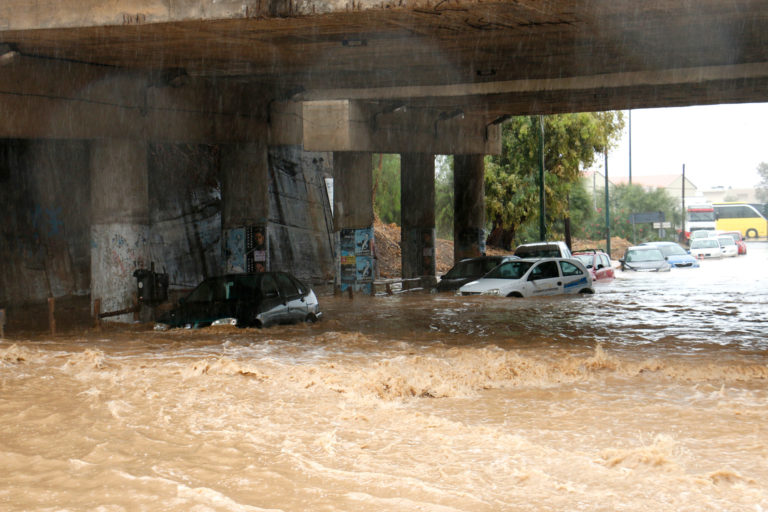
[(389, 256)]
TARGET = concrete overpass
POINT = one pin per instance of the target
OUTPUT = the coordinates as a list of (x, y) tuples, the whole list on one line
[(325, 77)]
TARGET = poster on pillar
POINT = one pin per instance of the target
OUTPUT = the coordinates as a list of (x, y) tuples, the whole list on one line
[(356, 250), (246, 249), (256, 249)]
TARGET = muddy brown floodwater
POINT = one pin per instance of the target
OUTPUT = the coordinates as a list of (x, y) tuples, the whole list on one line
[(650, 395)]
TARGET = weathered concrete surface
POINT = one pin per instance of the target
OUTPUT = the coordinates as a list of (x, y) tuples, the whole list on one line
[(45, 207), (46, 241), (469, 213), (488, 58), (300, 221), (389, 127), (119, 222), (417, 213)]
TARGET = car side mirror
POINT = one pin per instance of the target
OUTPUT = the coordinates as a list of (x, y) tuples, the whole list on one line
[(599, 266)]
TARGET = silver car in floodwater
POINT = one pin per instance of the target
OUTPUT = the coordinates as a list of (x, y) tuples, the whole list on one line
[(533, 277)]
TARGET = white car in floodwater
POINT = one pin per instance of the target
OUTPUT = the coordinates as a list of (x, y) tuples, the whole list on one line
[(532, 277), (705, 248), (728, 246)]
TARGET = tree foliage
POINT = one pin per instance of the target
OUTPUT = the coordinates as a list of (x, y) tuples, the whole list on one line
[(571, 143), (762, 187), (624, 200), (444, 196), (386, 187)]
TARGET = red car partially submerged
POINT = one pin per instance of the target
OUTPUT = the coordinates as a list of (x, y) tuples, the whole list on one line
[(598, 263)]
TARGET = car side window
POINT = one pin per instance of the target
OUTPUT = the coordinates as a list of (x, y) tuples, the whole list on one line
[(287, 288), (268, 286), (605, 260), (569, 269), (545, 270), (299, 285)]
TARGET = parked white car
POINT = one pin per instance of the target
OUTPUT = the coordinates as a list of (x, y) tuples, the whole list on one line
[(728, 246), (543, 250), (706, 248), (530, 277)]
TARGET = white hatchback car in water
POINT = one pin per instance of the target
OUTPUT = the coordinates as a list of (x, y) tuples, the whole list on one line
[(531, 277)]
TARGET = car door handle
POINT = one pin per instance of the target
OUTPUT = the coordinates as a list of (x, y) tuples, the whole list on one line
[(559, 283)]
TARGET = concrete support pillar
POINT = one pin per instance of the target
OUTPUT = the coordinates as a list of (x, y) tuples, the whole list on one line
[(245, 207), (469, 206), (417, 214), (119, 222), (353, 219)]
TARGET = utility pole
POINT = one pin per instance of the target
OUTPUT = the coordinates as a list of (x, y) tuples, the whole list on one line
[(682, 195), (542, 206), (630, 146), (607, 208)]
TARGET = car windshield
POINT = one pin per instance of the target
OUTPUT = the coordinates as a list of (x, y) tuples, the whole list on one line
[(638, 255), (700, 234), (471, 268), (726, 240), (225, 288), (672, 250), (704, 243), (586, 259), (510, 270), (736, 236)]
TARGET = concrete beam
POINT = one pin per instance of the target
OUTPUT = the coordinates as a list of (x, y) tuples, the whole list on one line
[(342, 125), (54, 99), (25, 15)]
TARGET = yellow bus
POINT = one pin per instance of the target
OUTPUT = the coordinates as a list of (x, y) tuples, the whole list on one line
[(741, 217)]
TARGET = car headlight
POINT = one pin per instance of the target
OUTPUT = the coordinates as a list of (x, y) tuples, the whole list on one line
[(494, 291), (225, 321)]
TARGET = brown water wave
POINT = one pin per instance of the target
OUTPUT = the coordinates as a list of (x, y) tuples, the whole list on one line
[(244, 420)]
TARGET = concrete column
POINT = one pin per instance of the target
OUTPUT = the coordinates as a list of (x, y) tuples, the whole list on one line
[(119, 222), (353, 219), (245, 207), (417, 214), (352, 190), (469, 206)]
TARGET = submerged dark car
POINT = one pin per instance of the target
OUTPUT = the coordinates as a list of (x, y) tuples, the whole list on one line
[(244, 300), (644, 258), (468, 270)]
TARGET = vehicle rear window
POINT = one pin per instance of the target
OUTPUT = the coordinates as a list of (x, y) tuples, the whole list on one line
[(538, 252)]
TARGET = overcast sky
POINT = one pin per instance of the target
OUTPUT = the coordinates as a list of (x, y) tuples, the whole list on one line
[(720, 145)]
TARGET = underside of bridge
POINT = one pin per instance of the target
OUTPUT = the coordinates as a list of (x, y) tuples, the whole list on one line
[(234, 83)]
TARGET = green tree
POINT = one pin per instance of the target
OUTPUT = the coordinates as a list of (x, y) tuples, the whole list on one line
[(571, 142), (444, 196), (626, 200), (762, 187), (386, 187)]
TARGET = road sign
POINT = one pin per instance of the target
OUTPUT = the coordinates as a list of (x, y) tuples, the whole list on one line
[(646, 218)]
